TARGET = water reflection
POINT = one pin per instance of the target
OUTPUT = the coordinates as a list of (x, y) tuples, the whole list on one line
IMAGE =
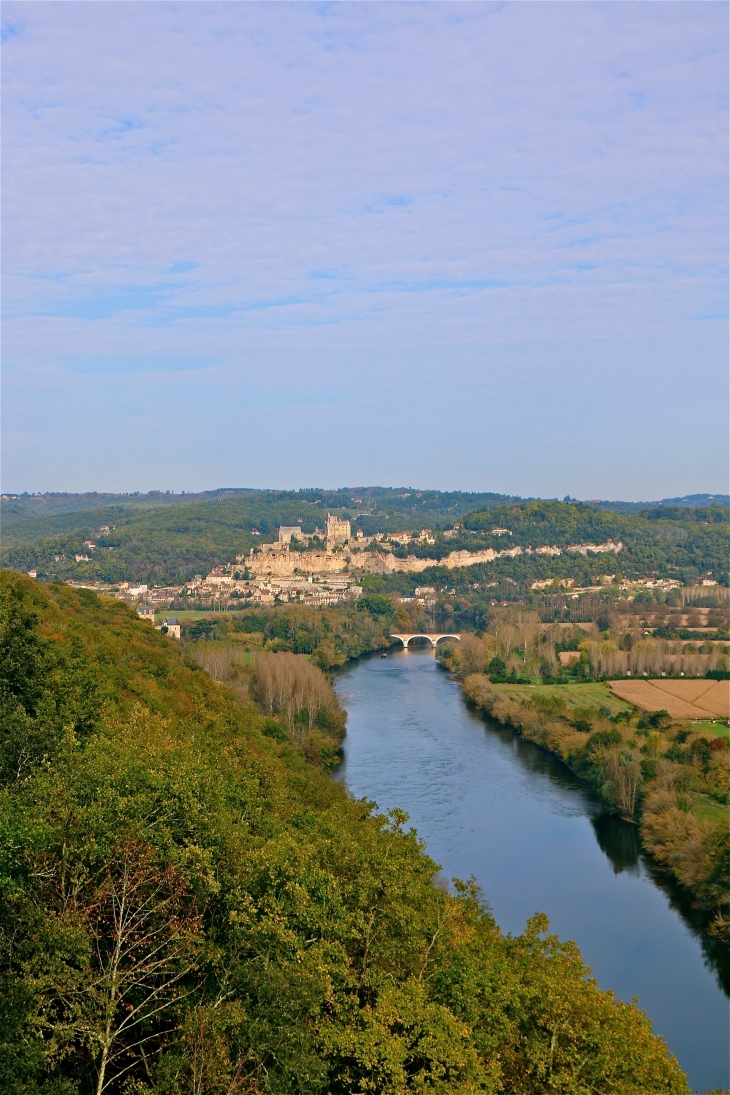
[(489, 804), (716, 954), (620, 841)]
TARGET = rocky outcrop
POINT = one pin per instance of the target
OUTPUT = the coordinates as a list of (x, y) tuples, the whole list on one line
[(383, 563), (286, 563)]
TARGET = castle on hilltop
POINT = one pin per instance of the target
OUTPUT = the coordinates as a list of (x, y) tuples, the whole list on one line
[(338, 532)]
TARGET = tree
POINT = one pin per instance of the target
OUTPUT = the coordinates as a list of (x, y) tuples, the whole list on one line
[(497, 670), (624, 777), (146, 936), (23, 654), (376, 604)]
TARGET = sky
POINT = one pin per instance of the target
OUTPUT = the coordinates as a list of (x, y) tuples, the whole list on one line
[(476, 246)]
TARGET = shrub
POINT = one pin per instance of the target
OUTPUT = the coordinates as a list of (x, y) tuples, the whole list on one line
[(603, 739)]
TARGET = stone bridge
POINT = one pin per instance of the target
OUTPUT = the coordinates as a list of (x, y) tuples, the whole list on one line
[(433, 638)]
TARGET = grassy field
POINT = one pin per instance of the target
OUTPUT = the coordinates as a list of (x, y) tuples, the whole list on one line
[(707, 808), (575, 695), (597, 694), (715, 729)]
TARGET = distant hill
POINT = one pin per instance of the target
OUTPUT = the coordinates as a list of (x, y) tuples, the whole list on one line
[(693, 501), (29, 518), (168, 538)]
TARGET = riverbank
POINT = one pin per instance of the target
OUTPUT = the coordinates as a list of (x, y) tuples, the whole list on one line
[(667, 778), (489, 804), (329, 636)]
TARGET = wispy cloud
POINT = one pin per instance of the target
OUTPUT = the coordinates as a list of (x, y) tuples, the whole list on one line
[(366, 196)]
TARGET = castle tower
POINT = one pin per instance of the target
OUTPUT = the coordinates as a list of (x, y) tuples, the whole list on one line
[(338, 532)]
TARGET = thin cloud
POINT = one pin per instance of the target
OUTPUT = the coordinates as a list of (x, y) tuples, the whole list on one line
[(355, 193)]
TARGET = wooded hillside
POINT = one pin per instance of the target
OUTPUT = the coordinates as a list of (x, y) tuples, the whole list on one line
[(166, 542), (188, 905)]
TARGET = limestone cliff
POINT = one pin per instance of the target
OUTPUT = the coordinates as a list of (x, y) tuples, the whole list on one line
[(285, 564)]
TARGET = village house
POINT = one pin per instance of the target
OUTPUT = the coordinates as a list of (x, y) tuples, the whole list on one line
[(172, 624), (163, 595), (219, 581), (565, 583), (146, 612)]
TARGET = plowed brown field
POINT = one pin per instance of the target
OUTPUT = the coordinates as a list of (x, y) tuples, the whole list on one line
[(691, 699)]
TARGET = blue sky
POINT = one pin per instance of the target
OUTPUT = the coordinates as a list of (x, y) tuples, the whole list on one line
[(467, 246)]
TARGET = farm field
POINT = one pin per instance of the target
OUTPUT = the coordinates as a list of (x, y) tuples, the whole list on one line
[(689, 699), (594, 694)]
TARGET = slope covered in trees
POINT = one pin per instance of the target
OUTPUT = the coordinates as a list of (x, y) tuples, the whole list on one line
[(168, 538), (188, 905), (165, 540), (680, 542)]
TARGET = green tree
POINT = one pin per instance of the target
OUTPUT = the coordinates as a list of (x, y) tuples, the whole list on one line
[(376, 604)]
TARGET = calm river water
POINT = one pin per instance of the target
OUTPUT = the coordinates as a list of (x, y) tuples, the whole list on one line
[(491, 805)]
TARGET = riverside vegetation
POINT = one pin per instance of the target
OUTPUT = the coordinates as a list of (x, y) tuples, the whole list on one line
[(669, 777), (331, 636), (189, 904)]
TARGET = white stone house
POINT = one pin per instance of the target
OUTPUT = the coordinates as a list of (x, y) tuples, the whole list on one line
[(173, 627)]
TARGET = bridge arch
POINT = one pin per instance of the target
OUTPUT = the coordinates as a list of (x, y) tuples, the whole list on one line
[(434, 638)]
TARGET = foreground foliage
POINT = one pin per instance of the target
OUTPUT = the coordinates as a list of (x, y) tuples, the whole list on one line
[(188, 906)]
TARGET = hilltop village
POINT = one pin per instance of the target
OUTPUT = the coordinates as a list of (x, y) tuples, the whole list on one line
[(326, 567), (318, 568)]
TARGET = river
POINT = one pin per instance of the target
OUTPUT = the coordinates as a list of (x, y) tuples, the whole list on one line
[(492, 805)]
